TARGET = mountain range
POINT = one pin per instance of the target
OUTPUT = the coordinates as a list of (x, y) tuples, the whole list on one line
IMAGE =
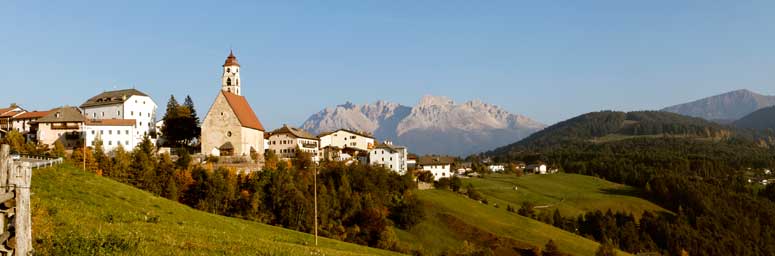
[(724, 108), (436, 125)]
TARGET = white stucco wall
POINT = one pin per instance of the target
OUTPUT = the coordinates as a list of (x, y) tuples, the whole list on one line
[(112, 136), (439, 171), (344, 139)]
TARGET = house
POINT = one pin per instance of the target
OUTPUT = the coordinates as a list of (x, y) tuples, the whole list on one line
[(439, 166), (112, 132), (496, 167), (231, 128), (344, 138), (411, 162), (286, 141), (63, 124), (126, 104), (6, 114), (464, 167), (536, 168), (23, 123), (390, 156)]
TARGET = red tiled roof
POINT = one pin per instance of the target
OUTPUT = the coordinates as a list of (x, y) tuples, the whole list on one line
[(10, 114), (111, 122), (231, 60), (242, 109), (33, 115)]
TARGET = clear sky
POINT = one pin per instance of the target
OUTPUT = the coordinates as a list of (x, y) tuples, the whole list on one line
[(549, 60)]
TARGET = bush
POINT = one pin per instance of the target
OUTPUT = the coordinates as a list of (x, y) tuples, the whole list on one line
[(455, 184), (443, 183)]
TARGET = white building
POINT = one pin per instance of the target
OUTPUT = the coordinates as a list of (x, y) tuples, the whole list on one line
[(440, 167), (389, 156), (346, 139), (536, 168), (124, 104), (285, 142), (496, 168), (112, 133)]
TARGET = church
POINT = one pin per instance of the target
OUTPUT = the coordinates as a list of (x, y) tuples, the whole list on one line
[(231, 128)]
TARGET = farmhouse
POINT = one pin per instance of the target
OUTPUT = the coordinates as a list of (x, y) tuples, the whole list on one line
[(6, 115), (439, 166), (496, 167), (343, 138), (536, 168), (231, 128), (62, 124), (286, 141), (390, 156), (113, 133)]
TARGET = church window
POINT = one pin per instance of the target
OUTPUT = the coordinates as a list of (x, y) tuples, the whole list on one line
[(228, 81), (228, 70), (228, 134)]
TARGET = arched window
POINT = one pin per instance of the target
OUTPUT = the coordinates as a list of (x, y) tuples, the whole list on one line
[(228, 70), (228, 81), (237, 80)]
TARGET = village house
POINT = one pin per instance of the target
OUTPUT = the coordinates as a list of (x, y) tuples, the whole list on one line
[(464, 168), (126, 104), (23, 123), (287, 140), (64, 124), (439, 166), (343, 138), (536, 168), (411, 162), (112, 132), (496, 168), (231, 128), (390, 156), (6, 115)]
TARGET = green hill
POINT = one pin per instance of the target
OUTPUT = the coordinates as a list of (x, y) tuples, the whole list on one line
[(572, 194), (761, 119), (79, 213), (454, 220)]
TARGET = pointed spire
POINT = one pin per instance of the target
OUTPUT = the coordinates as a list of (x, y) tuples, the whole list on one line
[(231, 60)]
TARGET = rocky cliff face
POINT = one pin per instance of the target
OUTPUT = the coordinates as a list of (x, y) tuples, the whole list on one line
[(436, 125), (726, 107)]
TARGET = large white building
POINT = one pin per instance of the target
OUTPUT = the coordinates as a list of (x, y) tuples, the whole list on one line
[(128, 104), (287, 140), (112, 133), (390, 156), (343, 138), (439, 166)]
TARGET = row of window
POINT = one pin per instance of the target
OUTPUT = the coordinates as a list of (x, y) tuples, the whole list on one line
[(110, 132), (132, 113), (110, 143)]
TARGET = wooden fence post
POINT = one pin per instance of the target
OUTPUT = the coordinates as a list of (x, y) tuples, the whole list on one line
[(22, 177)]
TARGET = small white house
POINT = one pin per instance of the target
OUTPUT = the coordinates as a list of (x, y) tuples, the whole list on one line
[(390, 156), (440, 167), (496, 167), (536, 168), (286, 140)]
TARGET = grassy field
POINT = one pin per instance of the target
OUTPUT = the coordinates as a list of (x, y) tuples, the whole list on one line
[(78, 213), (453, 219), (572, 194)]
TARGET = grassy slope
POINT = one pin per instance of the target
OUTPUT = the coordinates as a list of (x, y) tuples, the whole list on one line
[(79, 213), (572, 194)]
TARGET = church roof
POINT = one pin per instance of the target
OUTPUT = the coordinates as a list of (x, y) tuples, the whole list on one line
[(111, 97), (242, 109), (231, 60)]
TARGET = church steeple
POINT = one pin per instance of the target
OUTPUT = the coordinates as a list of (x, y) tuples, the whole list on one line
[(230, 81)]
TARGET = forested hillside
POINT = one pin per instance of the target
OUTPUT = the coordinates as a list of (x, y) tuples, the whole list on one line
[(692, 167)]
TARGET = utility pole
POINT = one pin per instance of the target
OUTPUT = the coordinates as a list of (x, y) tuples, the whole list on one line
[(315, 169)]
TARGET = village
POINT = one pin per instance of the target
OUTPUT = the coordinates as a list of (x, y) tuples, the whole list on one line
[(231, 134)]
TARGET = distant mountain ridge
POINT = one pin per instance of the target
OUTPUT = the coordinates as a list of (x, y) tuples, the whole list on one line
[(758, 120), (436, 125), (726, 107)]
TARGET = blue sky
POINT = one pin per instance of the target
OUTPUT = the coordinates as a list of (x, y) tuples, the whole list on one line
[(550, 60)]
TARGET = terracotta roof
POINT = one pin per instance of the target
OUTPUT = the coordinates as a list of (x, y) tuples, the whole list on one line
[(62, 114), (33, 115), (231, 60), (296, 132), (8, 109), (435, 160), (346, 130), (111, 97), (111, 122), (11, 113), (242, 109)]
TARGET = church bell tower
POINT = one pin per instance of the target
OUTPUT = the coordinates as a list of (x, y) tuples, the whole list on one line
[(230, 81)]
